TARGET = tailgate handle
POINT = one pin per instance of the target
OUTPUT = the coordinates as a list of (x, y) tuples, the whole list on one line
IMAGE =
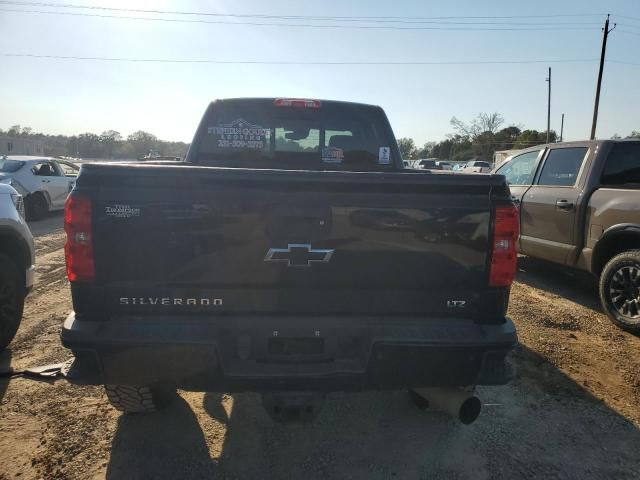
[(564, 205)]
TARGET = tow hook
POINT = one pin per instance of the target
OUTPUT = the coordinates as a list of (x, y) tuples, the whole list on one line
[(457, 402), (292, 407)]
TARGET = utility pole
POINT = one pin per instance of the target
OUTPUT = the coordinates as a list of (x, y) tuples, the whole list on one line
[(562, 127), (549, 107), (605, 34)]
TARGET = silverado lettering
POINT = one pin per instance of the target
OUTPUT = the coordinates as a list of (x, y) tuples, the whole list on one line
[(216, 302)]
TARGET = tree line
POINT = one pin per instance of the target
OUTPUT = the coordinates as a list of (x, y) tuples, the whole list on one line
[(109, 144), (480, 138)]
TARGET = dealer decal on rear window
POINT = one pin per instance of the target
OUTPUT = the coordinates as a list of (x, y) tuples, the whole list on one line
[(332, 155), (241, 134), (384, 156)]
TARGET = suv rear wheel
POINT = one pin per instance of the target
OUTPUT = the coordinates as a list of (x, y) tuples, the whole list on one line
[(11, 300), (132, 399), (620, 290)]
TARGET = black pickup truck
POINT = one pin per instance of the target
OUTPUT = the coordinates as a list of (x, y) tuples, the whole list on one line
[(289, 252)]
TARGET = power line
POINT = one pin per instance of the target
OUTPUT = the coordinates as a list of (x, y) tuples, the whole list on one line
[(288, 17), (288, 62), (620, 62), (627, 32), (628, 25), (637, 19), (441, 26)]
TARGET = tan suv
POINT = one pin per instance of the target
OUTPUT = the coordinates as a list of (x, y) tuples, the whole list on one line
[(580, 207)]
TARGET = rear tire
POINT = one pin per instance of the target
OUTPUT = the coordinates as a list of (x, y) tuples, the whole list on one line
[(620, 290), (11, 300), (36, 206), (130, 399)]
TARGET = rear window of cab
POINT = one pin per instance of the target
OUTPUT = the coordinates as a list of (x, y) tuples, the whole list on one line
[(261, 134)]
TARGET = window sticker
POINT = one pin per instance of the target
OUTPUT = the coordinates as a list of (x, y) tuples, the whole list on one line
[(332, 155), (384, 155), (241, 134)]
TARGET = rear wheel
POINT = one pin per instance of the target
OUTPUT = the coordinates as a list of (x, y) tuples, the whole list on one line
[(131, 399), (36, 206), (620, 290), (11, 300)]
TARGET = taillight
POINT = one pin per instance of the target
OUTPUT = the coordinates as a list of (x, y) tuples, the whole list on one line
[(78, 249), (504, 256), (296, 102)]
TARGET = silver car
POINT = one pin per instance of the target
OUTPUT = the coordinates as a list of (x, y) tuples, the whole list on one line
[(17, 257), (44, 182)]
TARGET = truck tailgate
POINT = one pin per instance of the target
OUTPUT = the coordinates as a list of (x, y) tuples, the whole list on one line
[(177, 238)]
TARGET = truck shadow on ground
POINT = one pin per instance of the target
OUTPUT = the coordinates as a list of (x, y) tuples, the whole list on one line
[(576, 286), (165, 445), (5, 365), (541, 425)]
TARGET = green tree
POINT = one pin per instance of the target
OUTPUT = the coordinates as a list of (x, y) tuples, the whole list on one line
[(407, 148), (442, 149), (484, 123), (89, 145), (109, 139), (481, 132), (142, 142), (529, 138), (426, 151), (634, 134), (14, 131)]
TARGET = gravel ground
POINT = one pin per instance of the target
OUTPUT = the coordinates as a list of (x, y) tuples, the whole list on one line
[(571, 412)]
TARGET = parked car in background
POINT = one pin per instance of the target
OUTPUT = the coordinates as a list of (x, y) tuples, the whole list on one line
[(44, 182), (17, 256), (444, 165), (458, 167), (580, 207), (477, 166), (428, 164), (502, 156)]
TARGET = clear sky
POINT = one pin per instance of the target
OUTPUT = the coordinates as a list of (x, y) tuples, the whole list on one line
[(167, 99)]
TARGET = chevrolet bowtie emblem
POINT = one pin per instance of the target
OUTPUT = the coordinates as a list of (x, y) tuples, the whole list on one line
[(299, 255)]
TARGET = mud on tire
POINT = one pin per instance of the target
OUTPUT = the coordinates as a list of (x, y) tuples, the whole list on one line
[(132, 399)]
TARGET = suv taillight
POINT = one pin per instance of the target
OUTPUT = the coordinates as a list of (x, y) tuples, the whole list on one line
[(504, 256), (78, 249)]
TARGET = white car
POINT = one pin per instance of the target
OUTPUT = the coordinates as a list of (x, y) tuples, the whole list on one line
[(44, 182), (477, 166)]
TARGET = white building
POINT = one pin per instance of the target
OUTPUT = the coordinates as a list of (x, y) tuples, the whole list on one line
[(21, 146)]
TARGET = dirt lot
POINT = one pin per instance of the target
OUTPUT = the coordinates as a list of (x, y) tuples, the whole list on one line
[(573, 410)]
